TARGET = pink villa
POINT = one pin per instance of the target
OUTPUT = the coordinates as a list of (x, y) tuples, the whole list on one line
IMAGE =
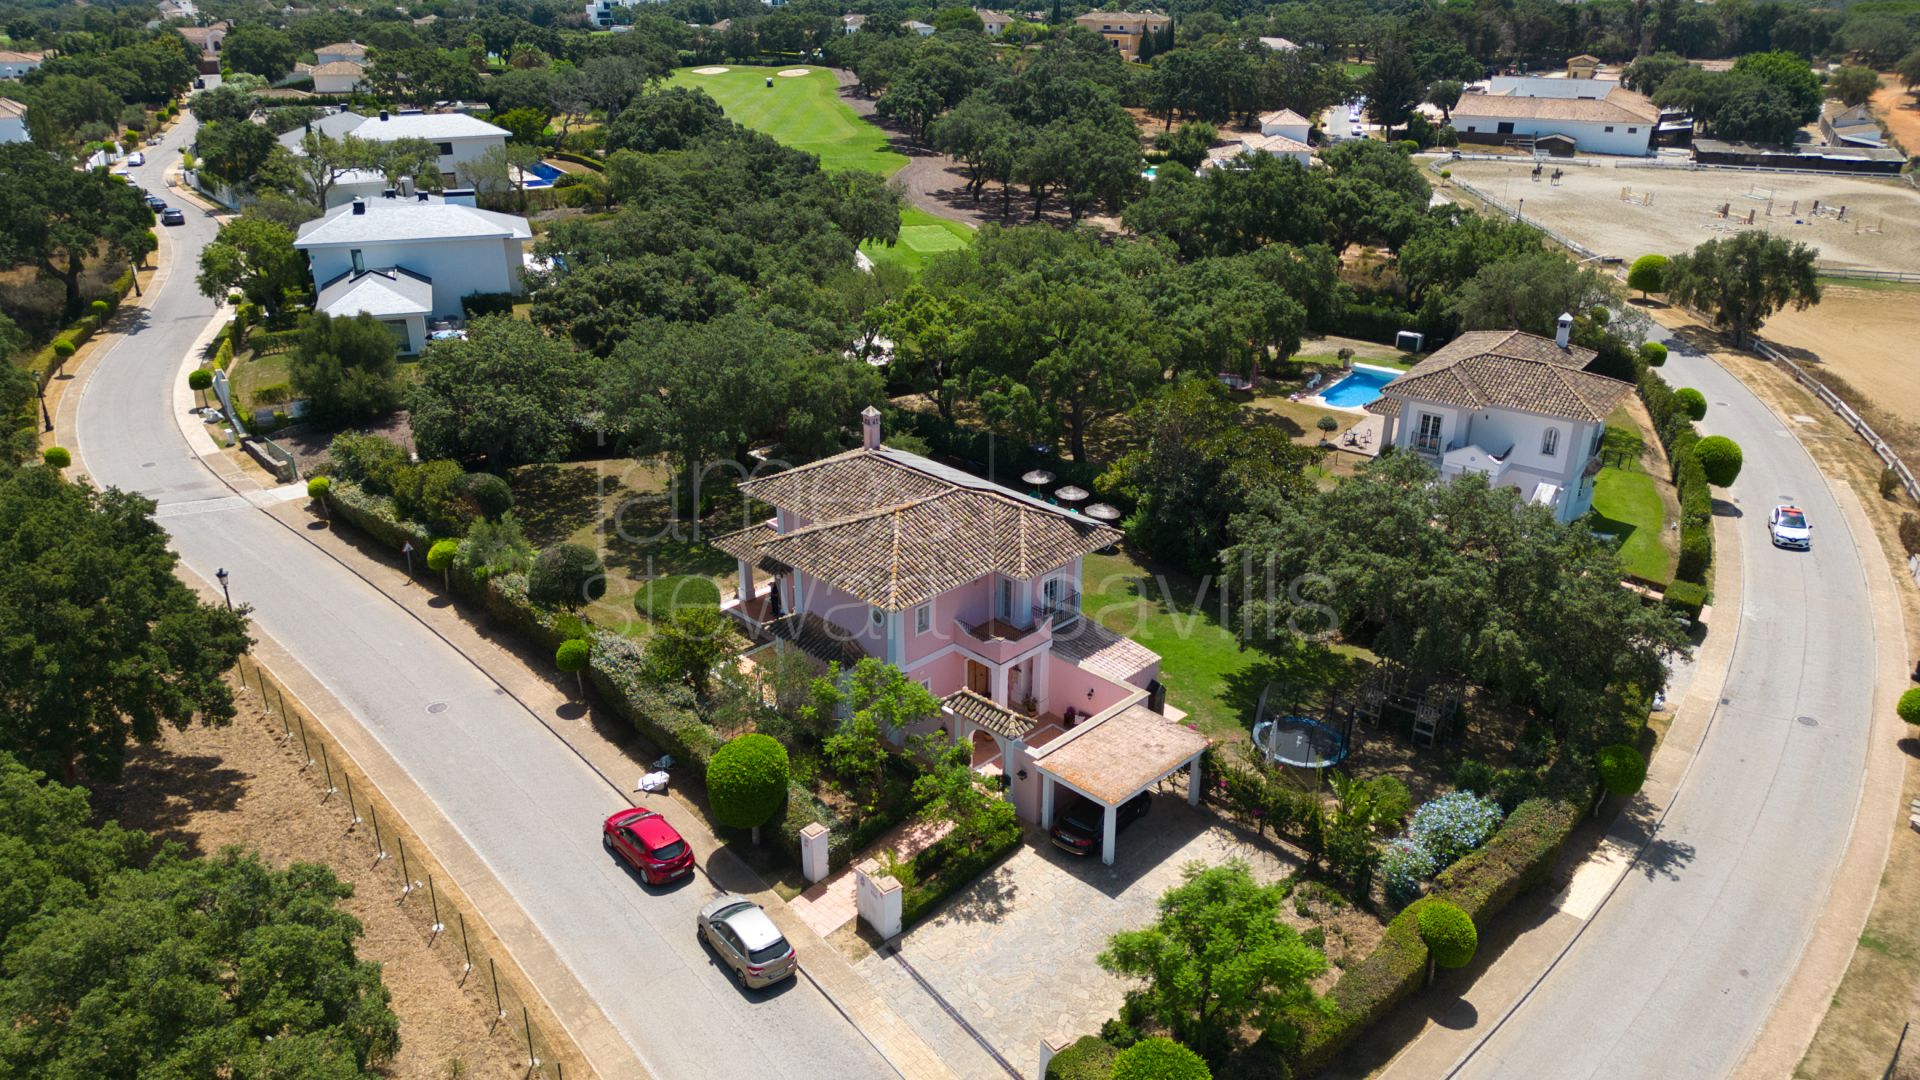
[(973, 590)]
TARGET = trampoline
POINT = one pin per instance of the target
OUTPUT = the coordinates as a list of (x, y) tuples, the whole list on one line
[(1300, 741)]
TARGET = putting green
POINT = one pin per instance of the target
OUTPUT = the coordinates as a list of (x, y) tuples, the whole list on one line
[(801, 111), (922, 236)]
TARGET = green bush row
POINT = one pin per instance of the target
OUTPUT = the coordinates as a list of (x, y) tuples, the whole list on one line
[(1089, 1058), (1673, 423), (1373, 322), (946, 866), (1686, 598), (664, 716), (579, 159), (269, 342), (1518, 857)]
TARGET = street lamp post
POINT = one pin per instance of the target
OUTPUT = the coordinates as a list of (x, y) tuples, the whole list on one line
[(224, 591)]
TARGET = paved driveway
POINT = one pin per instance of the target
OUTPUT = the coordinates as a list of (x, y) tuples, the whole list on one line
[(1012, 955)]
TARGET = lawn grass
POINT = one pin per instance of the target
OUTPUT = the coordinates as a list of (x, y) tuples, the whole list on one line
[(252, 373), (1627, 504), (922, 236), (805, 113)]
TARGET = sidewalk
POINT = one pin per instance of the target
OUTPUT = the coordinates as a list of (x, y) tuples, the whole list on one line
[(1504, 975), (603, 741)]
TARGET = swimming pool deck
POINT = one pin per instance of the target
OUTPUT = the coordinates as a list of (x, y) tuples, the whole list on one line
[(1320, 400)]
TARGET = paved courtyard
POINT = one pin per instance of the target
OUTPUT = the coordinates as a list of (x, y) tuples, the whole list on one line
[(1013, 955)]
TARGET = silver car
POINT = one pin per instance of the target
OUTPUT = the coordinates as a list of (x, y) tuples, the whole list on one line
[(747, 940)]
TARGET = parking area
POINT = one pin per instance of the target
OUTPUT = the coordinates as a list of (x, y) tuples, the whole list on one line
[(1013, 955)]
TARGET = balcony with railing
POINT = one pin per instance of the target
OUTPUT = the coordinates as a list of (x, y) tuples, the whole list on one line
[(999, 640), (1063, 610)]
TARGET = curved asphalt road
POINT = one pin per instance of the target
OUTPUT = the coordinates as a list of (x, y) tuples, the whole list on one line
[(527, 805), (1678, 972)]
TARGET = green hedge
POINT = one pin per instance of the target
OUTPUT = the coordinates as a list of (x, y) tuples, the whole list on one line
[(1673, 424), (1373, 322), (944, 868), (1686, 598), (270, 342), (578, 159), (664, 716), (1089, 1058), (1518, 857)]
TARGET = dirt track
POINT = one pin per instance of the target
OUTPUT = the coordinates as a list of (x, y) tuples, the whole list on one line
[(1881, 229)]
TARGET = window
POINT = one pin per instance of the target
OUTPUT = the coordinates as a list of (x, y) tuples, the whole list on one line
[(1428, 437), (879, 617), (1003, 599), (1633, 131), (444, 148), (923, 618), (1471, 128), (1550, 442), (1609, 127), (1506, 127), (359, 261)]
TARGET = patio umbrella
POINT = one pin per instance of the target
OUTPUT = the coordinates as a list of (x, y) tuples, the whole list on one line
[(1038, 478), (1102, 512), (1070, 494)]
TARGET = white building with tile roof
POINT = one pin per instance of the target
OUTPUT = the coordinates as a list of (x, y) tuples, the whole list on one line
[(1517, 408), (13, 121)]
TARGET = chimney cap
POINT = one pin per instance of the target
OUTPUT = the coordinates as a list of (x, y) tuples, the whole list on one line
[(359, 205)]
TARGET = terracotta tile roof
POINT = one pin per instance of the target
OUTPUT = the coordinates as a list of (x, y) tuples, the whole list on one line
[(338, 67), (894, 529), (745, 544), (1282, 116), (10, 108), (1122, 755), (1087, 644), (983, 713), (1619, 106), (1513, 370), (817, 638)]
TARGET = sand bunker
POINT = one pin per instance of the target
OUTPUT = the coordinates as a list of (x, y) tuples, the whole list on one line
[(710, 71), (794, 73)]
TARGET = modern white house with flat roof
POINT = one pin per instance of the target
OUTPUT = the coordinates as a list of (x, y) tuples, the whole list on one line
[(1519, 409), (460, 139), (407, 261)]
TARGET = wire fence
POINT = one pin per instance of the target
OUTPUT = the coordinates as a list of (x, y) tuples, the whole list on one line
[(1846, 413), (456, 933)]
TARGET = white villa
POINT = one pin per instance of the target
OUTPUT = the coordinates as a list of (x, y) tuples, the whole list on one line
[(16, 65), (1283, 133), (405, 261), (973, 590), (338, 77), (1515, 407), (459, 138)]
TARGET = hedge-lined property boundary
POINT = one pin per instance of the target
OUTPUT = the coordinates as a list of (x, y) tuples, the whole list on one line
[(48, 362), (664, 717), (1515, 859), (1673, 425)]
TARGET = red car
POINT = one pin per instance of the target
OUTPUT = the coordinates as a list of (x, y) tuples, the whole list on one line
[(649, 844)]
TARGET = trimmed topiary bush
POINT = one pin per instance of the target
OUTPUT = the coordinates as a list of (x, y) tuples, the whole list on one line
[(573, 655), (1622, 769), (568, 575), (1159, 1058), (440, 557), (63, 348), (1454, 824), (1648, 274), (1653, 354), (1909, 707), (200, 380), (1089, 1058), (1449, 933), (318, 487), (56, 456), (747, 782), (1691, 401), (491, 494), (1720, 458)]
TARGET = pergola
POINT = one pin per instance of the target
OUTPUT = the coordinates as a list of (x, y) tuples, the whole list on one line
[(1117, 758)]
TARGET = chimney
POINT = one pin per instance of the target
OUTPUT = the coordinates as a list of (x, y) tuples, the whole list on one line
[(383, 115), (1563, 330), (359, 205), (870, 428), (406, 187)]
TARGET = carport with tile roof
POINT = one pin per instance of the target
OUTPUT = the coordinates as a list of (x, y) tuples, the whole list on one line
[(1117, 758)]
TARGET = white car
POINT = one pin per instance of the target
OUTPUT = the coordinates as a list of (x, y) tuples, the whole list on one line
[(136, 159), (1789, 529)]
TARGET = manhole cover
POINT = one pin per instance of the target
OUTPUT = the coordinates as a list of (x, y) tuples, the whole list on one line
[(437, 708), (1806, 721)]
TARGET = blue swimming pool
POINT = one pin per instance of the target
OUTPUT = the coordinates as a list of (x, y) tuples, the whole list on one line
[(1359, 388), (543, 175)]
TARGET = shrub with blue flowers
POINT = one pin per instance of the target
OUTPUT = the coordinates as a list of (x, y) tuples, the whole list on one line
[(1454, 824), (1404, 864)]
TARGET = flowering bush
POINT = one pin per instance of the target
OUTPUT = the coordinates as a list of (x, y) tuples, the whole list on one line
[(1404, 864), (1454, 824)]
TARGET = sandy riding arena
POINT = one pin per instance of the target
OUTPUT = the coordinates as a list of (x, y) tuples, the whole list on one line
[(1630, 212)]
